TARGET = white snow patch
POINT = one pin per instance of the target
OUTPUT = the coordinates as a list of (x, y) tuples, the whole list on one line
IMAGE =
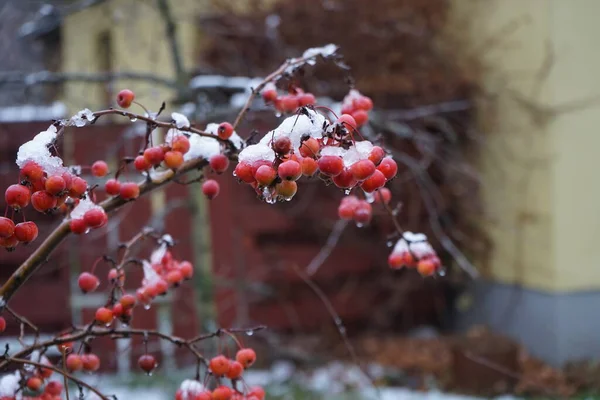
[(324, 51), (298, 126), (158, 254), (9, 384), (416, 243), (256, 152), (82, 118), (84, 206), (181, 120), (29, 113), (150, 275), (190, 388), (359, 151), (37, 149)]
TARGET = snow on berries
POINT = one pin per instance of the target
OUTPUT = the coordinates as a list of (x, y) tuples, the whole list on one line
[(357, 106), (413, 250)]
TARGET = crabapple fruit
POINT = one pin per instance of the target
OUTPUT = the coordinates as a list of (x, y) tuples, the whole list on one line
[(17, 196), (125, 98), (219, 365), (246, 357), (78, 226), (173, 159), (331, 165), (219, 163), (210, 188), (7, 227), (99, 168), (289, 170), (129, 191), (112, 187), (104, 315), (181, 144), (55, 185), (225, 130), (73, 362), (26, 231), (88, 282), (147, 363)]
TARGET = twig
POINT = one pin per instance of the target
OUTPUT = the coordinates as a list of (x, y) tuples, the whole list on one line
[(218, 332), (326, 250), (63, 373), (23, 321)]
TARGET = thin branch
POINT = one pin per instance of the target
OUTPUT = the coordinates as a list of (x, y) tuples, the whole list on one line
[(220, 331), (57, 370), (49, 78), (171, 31), (326, 250)]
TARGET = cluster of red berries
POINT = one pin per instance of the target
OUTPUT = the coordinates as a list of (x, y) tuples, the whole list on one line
[(163, 273), (171, 156), (414, 251), (88, 362), (289, 102), (358, 106), (360, 210), (38, 384)]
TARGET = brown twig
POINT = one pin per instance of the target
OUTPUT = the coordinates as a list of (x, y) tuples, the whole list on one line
[(326, 250), (221, 331), (57, 370), (23, 321)]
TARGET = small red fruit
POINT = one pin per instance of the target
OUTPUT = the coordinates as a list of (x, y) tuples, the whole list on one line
[(362, 169), (91, 362), (78, 187), (17, 196), (347, 207), (388, 167), (286, 189), (147, 363), (187, 269), (310, 148), (55, 185), (235, 370), (246, 357), (347, 121), (95, 218), (125, 98), (265, 175), (396, 260), (331, 165), (306, 99), (127, 301), (427, 266), (363, 212), (129, 191), (269, 95), (257, 392), (345, 179), (43, 201), (99, 168), (154, 155), (282, 145), (289, 103), (377, 154), (289, 170), (34, 383), (383, 196), (73, 362), (26, 231), (78, 226), (173, 159), (88, 282), (9, 243), (31, 171), (181, 144), (104, 315), (222, 393), (363, 103), (376, 181), (117, 310), (225, 130), (210, 188), (141, 164), (219, 163), (7, 227), (54, 388), (244, 172), (361, 117), (2, 324), (219, 365), (112, 187), (174, 277)]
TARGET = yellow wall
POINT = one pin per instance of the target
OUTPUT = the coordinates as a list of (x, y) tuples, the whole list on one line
[(538, 165), (139, 44)]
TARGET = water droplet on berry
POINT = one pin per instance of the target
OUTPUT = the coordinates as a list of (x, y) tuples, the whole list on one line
[(149, 373), (234, 174), (147, 306), (249, 333)]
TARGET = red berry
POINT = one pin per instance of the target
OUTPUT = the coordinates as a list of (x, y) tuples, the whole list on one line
[(73, 362), (174, 277), (345, 179), (246, 357), (78, 187), (54, 388), (141, 164), (269, 95), (99, 168), (362, 169), (222, 393), (219, 163), (309, 166), (289, 103), (9, 243), (91, 362), (243, 171), (117, 310), (210, 188), (388, 167), (257, 392), (306, 99), (289, 170), (43, 201), (38, 185), (361, 117), (347, 121), (127, 301), (347, 207), (363, 103), (112, 187), (34, 383), (78, 226), (265, 175), (203, 396), (286, 189), (125, 98), (17, 196), (219, 365), (383, 196), (427, 266), (181, 144), (147, 363), (235, 370), (225, 130), (160, 287), (154, 155), (104, 315), (55, 184), (376, 181), (88, 282), (363, 212), (31, 171), (282, 145), (396, 260), (68, 178), (331, 165), (129, 190), (2, 324), (187, 269), (26, 231), (377, 154), (173, 159), (310, 148), (95, 218), (7, 227)]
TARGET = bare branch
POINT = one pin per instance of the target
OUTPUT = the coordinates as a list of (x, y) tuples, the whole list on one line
[(171, 31), (326, 250)]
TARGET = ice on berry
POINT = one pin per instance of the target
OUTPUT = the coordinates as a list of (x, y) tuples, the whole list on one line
[(158, 254), (150, 275), (181, 120), (37, 149), (190, 388), (84, 206), (298, 126)]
